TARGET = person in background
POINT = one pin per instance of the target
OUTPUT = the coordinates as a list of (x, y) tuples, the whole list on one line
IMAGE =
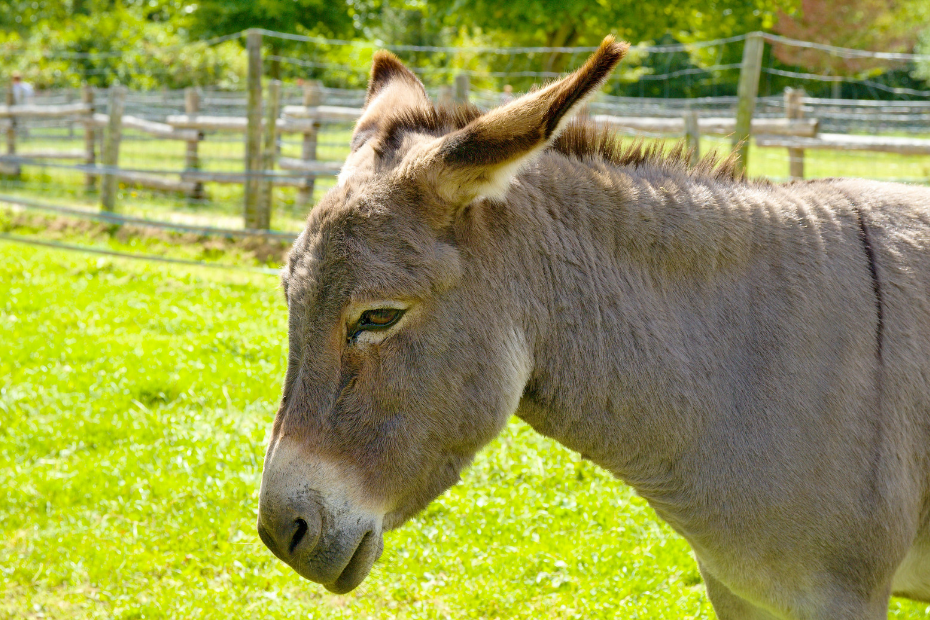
[(22, 95), (22, 91), (507, 95)]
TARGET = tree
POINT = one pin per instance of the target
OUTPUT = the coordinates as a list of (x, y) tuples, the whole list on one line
[(323, 17), (139, 43), (21, 16), (330, 18), (877, 25), (582, 22)]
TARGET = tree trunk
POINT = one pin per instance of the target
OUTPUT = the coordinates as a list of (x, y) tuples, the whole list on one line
[(565, 36)]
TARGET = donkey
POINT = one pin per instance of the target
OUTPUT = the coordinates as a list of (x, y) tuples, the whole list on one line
[(753, 358)]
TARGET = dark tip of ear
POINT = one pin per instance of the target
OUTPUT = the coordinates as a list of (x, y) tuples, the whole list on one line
[(585, 80), (601, 63), (612, 50), (386, 68)]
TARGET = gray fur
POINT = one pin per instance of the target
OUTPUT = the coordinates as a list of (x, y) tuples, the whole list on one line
[(754, 359)]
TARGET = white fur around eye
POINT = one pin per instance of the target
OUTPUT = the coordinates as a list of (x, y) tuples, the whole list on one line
[(370, 337)]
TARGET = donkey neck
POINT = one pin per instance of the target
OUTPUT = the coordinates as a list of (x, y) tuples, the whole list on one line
[(627, 265)]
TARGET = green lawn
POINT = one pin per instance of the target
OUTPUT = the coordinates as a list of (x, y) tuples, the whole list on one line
[(134, 402)]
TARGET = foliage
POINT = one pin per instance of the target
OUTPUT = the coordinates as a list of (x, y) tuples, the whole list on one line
[(21, 16), (876, 25), (322, 17), (860, 24), (150, 43), (120, 44), (920, 12), (584, 23), (922, 69)]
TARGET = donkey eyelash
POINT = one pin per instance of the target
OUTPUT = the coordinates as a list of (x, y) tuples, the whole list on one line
[(375, 319)]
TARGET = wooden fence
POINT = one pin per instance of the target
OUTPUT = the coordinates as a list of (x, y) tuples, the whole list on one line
[(100, 157), (266, 120)]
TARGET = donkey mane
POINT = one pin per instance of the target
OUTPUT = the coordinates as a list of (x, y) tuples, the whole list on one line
[(581, 139)]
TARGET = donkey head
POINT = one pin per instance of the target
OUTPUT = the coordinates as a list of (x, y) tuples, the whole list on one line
[(407, 351)]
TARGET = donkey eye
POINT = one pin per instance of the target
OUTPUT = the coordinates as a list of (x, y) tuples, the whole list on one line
[(377, 319), (382, 317)]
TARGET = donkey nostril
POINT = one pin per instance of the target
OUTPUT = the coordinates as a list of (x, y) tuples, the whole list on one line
[(290, 529), (298, 535)]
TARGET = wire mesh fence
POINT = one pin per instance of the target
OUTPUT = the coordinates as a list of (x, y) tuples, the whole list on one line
[(182, 153)]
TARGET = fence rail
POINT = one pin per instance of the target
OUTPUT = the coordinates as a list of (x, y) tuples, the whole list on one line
[(276, 135)]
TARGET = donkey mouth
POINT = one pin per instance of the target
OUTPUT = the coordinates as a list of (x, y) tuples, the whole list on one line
[(354, 573)]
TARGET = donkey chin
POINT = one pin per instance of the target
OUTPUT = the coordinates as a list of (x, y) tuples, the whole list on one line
[(317, 519), (331, 537)]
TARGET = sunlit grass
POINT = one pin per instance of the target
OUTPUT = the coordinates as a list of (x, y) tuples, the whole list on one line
[(134, 402)]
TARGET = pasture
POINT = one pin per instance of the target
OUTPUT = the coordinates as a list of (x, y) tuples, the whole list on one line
[(134, 401), (222, 205)]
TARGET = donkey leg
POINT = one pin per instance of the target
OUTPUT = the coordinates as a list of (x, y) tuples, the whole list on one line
[(729, 606)]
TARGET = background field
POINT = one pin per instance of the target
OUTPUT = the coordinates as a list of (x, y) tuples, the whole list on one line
[(223, 204), (134, 401)]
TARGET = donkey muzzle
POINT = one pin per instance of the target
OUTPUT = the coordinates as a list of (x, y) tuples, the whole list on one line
[(310, 517)]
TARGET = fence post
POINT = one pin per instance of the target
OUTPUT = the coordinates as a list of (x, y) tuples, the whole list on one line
[(99, 130), (747, 91), (69, 98), (693, 136), (14, 169), (269, 152), (90, 155), (461, 88), (110, 155), (445, 97), (191, 158), (794, 108), (313, 95), (253, 135)]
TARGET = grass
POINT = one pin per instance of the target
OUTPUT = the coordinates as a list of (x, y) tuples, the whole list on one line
[(247, 252), (134, 402)]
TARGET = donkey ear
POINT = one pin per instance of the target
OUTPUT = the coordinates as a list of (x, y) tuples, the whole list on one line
[(481, 158), (391, 87), (388, 70)]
